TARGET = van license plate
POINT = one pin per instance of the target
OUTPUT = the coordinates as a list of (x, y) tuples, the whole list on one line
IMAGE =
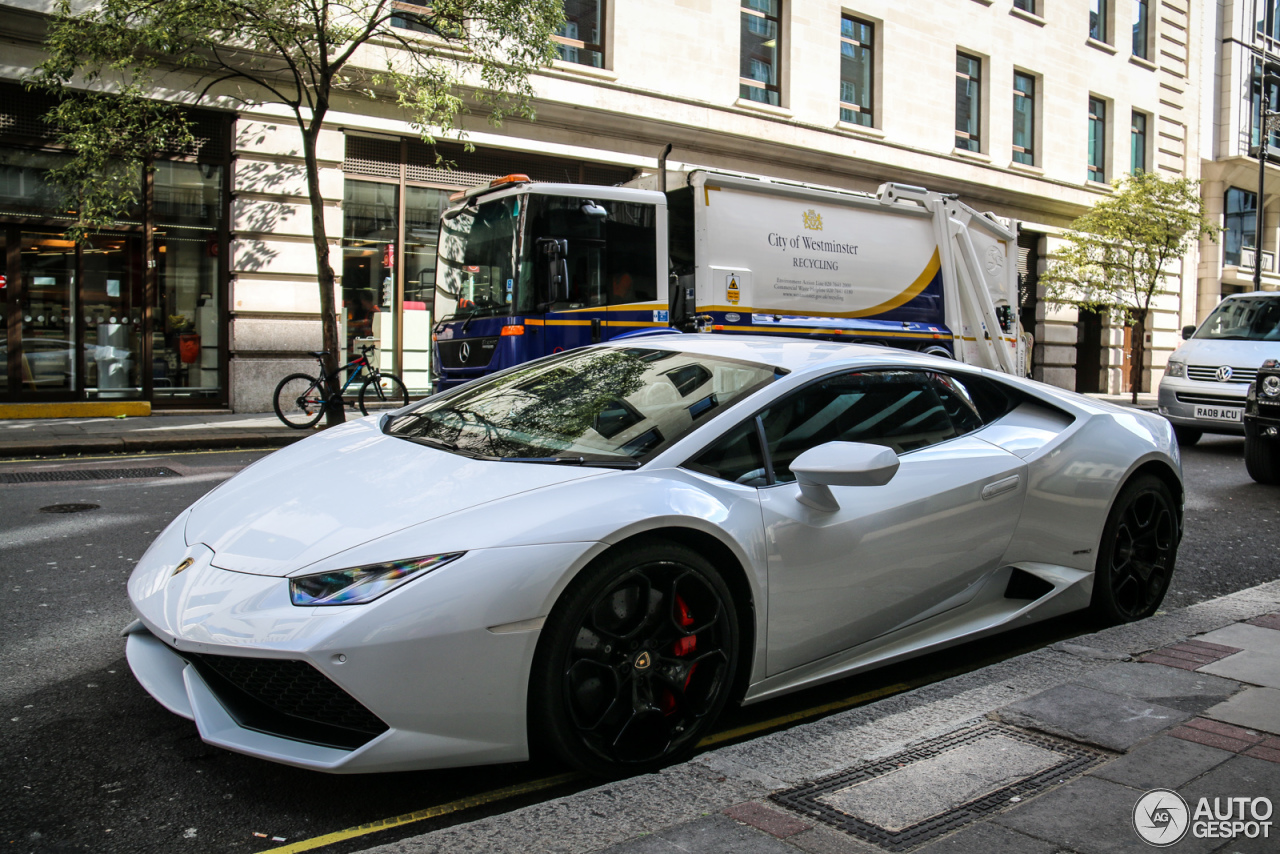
[(1219, 413)]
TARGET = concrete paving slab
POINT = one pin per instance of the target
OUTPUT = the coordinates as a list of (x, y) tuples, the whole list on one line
[(938, 784), (1165, 762), (988, 839), (1253, 708), (1245, 636), (1091, 716), (827, 840), (1178, 689), (1239, 777), (1256, 668), (1089, 816), (713, 834)]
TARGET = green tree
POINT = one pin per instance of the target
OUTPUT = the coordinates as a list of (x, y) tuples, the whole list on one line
[(1118, 254), (113, 58)]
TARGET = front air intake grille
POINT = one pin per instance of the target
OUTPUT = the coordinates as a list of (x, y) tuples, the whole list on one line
[(1209, 374), (1209, 399), (291, 699)]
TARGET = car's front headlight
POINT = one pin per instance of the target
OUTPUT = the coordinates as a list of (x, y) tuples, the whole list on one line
[(1271, 385), (1176, 369), (363, 583)]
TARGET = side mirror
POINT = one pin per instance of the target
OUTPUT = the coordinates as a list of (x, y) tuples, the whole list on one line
[(841, 464), (1187, 332), (555, 251)]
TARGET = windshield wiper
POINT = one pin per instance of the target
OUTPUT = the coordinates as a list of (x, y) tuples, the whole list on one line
[(574, 461), (429, 441)]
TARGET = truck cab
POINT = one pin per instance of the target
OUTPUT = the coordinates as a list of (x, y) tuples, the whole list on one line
[(526, 270)]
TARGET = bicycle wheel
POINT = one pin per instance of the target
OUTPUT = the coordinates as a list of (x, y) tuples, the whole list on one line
[(299, 400), (383, 393)]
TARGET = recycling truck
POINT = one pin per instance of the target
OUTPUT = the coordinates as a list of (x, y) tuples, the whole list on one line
[(526, 269)]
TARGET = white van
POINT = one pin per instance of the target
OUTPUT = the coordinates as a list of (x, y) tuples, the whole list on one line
[(1204, 386)]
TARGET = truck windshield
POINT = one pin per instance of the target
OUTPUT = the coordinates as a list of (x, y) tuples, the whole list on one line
[(478, 272), (598, 406), (1244, 320)]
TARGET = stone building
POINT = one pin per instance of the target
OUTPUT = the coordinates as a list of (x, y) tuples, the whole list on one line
[(1022, 107)]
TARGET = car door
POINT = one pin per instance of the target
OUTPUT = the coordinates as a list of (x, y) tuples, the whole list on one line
[(890, 553)]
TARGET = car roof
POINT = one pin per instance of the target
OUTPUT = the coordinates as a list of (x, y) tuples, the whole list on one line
[(793, 354)]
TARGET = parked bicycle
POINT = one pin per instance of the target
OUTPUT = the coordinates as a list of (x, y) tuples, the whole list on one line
[(300, 399)]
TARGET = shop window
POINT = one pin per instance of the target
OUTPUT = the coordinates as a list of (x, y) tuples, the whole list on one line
[(369, 234)]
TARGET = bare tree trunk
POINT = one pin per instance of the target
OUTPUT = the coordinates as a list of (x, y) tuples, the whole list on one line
[(1137, 353), (326, 279)]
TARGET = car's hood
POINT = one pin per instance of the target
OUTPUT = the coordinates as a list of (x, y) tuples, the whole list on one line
[(1237, 354), (344, 487)]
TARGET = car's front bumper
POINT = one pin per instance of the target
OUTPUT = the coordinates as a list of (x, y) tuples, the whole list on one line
[(438, 684), (1178, 399)]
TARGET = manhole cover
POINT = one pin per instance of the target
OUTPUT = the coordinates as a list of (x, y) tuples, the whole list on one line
[(69, 508), (940, 785), (84, 474)]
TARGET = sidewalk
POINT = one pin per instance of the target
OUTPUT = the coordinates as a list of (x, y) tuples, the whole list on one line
[(71, 436), (1051, 751), (179, 432)]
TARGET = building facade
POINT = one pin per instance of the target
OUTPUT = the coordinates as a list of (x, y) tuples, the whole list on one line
[(1240, 75), (1026, 108)]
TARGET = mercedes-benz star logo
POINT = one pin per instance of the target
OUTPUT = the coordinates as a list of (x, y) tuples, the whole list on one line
[(1160, 817), (1224, 374), (465, 351)]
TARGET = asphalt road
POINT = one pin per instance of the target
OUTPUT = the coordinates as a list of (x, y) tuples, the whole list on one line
[(88, 761)]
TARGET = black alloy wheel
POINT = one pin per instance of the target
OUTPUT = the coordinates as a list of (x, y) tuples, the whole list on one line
[(1137, 554), (636, 661)]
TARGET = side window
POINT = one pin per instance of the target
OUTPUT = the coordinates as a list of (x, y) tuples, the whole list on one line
[(903, 410), (736, 457)]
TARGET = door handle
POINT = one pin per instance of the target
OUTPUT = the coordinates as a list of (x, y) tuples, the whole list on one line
[(1000, 487), (595, 330)]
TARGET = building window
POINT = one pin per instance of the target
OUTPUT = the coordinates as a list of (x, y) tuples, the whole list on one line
[(761, 36), (1025, 5), (1097, 140), (1138, 143), (581, 38), (1098, 20), (1140, 31), (1238, 225), (1272, 102), (1024, 118), (856, 46), (1269, 18), (968, 102)]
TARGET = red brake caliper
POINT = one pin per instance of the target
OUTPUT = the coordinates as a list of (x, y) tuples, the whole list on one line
[(680, 648)]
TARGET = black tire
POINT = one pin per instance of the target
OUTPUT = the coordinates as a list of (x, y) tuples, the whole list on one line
[(1261, 457), (1138, 550), (1187, 435), (299, 401), (382, 394), (635, 662)]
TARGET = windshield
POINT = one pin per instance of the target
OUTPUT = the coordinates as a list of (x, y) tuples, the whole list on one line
[(1244, 320), (477, 271), (595, 406)]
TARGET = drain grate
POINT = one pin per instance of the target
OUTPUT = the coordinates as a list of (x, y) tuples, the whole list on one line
[(84, 474), (940, 785)]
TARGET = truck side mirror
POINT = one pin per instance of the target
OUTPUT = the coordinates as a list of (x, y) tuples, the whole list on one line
[(1187, 332), (555, 251)]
